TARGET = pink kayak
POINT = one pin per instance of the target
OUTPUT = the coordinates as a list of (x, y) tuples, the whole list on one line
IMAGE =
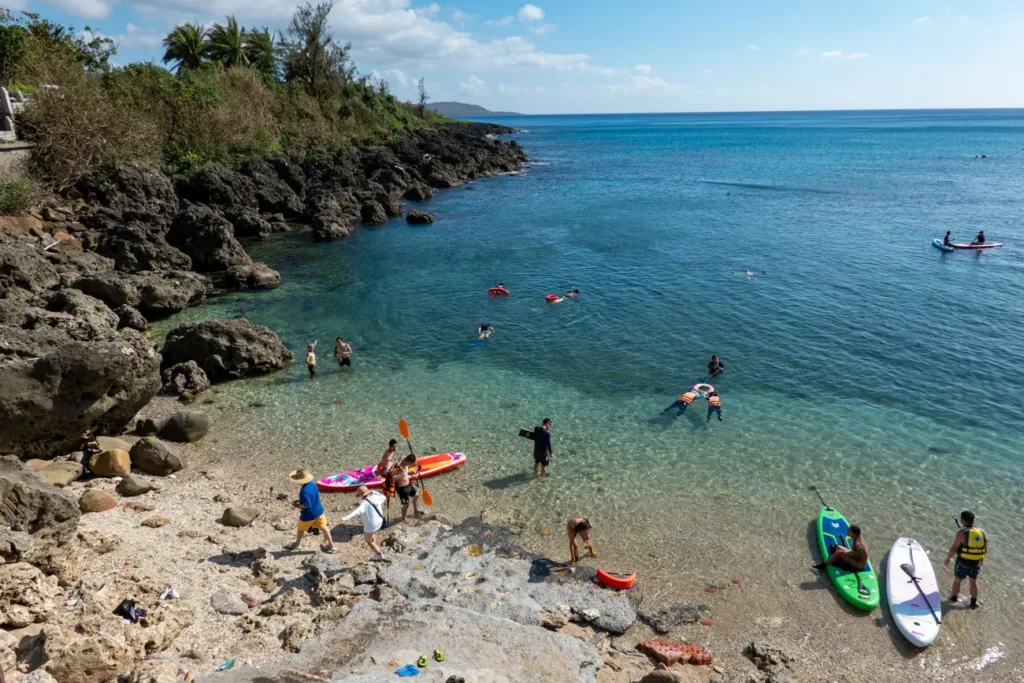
[(987, 245), (428, 466)]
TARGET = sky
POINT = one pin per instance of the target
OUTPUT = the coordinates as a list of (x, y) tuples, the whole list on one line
[(603, 56)]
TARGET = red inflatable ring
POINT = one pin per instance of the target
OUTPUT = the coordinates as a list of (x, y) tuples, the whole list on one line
[(552, 297), (495, 291), (617, 581), (703, 388)]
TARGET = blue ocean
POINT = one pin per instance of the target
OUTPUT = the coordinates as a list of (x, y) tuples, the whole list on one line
[(859, 358)]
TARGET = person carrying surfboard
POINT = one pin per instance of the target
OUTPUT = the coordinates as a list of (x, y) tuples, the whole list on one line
[(970, 547), (851, 560)]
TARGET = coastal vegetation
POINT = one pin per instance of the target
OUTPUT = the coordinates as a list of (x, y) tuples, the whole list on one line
[(230, 94)]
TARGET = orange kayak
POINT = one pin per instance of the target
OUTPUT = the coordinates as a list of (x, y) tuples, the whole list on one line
[(426, 466)]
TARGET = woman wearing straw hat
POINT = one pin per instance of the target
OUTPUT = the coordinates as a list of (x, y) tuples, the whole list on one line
[(311, 513), (373, 518)]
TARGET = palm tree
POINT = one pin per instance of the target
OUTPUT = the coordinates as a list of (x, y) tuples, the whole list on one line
[(262, 50), (226, 44), (185, 46)]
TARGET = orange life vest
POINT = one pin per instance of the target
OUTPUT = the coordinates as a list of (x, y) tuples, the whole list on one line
[(714, 402), (687, 398)]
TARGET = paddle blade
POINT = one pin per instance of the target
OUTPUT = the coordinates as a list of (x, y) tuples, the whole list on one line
[(403, 429), (908, 570), (427, 498)]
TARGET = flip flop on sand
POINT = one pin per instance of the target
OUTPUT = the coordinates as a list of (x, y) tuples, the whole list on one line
[(408, 670), (423, 661), (438, 655)]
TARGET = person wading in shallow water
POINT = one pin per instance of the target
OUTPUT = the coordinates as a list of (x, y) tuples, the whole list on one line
[(542, 452), (970, 547), (579, 526), (311, 358), (342, 353)]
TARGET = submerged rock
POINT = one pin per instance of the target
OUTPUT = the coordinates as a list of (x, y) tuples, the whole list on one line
[(417, 217), (226, 348), (666, 617)]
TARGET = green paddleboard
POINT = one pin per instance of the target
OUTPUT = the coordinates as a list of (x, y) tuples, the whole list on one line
[(860, 589)]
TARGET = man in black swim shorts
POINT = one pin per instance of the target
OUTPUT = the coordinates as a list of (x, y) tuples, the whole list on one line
[(542, 453), (407, 493)]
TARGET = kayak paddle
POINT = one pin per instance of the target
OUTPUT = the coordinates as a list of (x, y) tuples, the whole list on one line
[(403, 428)]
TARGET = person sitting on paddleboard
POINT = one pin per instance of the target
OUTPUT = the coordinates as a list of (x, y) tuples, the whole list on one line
[(384, 466), (485, 331), (714, 405), (846, 559), (980, 239), (580, 526), (715, 367), (404, 487), (947, 241)]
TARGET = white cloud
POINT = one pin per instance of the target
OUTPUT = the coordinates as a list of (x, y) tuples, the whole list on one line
[(428, 11), (922, 20), (605, 70), (642, 68), (92, 9), (460, 17), (642, 84), (393, 76), (133, 37), (517, 91), (754, 46), (16, 5), (504, 21), (474, 86), (839, 54), (542, 29), (530, 13)]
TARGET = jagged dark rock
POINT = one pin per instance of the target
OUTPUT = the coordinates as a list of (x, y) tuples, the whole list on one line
[(162, 294), (226, 349), (207, 238), (220, 187), (138, 246), (417, 217), (252, 276), (372, 213), (185, 379), (130, 192), (130, 317), (29, 504), (248, 223), (273, 194), (418, 192)]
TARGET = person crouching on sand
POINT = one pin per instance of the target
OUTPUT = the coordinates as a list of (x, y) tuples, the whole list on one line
[(372, 510), (312, 515), (580, 526)]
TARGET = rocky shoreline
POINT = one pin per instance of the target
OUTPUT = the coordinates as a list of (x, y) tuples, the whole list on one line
[(81, 277)]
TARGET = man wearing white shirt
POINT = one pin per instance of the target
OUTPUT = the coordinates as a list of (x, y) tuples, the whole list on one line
[(372, 510)]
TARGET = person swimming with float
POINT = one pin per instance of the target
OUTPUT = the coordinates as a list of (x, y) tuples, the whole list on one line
[(684, 402), (573, 294), (715, 367), (485, 331)]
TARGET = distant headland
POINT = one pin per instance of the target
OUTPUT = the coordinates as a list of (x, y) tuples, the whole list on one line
[(463, 109)]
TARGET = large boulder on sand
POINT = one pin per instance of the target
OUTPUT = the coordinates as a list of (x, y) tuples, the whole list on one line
[(60, 474), (226, 349), (112, 463), (185, 379), (153, 456), (48, 403), (95, 500), (29, 504), (185, 426)]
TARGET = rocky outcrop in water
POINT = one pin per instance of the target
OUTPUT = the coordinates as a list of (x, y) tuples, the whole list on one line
[(226, 349)]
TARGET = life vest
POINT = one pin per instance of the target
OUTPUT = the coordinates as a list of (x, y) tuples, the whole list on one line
[(389, 482), (714, 402), (975, 544), (687, 398)]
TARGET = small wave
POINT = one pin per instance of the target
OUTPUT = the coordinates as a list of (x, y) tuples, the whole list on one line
[(538, 163), (991, 656), (772, 188)]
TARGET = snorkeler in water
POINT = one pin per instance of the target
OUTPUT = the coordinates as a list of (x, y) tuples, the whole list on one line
[(485, 331)]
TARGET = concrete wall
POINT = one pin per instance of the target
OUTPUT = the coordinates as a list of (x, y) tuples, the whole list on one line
[(14, 161)]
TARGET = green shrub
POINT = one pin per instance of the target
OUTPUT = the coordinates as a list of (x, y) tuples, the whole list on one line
[(17, 196)]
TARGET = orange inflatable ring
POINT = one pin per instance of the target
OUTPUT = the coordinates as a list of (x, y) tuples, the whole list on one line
[(552, 297), (703, 388), (495, 291), (619, 582)]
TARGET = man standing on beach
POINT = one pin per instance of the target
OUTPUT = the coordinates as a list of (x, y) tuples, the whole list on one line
[(404, 487), (311, 515), (342, 353), (542, 452), (970, 547), (373, 519)]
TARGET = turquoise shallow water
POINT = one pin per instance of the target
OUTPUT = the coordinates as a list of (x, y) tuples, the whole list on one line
[(865, 361)]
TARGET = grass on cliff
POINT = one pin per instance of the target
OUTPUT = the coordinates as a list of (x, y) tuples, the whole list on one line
[(98, 114)]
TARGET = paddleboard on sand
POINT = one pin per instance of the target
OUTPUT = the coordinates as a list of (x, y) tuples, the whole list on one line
[(860, 589), (916, 609), (426, 466)]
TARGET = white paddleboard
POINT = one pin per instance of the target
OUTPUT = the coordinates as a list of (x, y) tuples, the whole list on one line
[(917, 613)]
